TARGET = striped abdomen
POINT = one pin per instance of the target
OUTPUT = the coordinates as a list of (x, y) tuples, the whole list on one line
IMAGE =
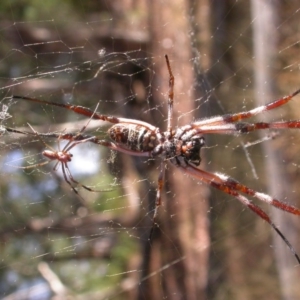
[(133, 137)]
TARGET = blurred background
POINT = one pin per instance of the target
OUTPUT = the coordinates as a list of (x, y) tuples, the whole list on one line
[(226, 56)]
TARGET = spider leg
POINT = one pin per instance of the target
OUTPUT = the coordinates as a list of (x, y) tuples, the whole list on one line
[(224, 182), (238, 128), (216, 122), (237, 186), (108, 144), (160, 184), (230, 118), (33, 166), (17, 131), (161, 176), (76, 108), (70, 144), (88, 112), (171, 97), (35, 133), (257, 210), (48, 135), (39, 137), (75, 143), (55, 166), (230, 187), (88, 122), (80, 184), (63, 167)]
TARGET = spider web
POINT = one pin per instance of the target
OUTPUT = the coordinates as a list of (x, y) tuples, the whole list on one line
[(87, 53)]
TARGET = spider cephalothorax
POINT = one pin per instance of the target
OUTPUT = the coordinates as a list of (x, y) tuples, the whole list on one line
[(187, 151), (190, 149)]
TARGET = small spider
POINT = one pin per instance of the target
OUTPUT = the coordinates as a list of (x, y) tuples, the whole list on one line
[(181, 146), (62, 156)]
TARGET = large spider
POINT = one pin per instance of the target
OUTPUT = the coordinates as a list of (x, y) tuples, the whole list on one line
[(181, 146)]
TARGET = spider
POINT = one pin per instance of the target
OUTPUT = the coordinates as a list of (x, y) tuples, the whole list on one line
[(181, 146), (62, 156)]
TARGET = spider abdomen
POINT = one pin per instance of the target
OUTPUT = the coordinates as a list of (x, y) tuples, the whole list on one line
[(133, 137), (62, 156)]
